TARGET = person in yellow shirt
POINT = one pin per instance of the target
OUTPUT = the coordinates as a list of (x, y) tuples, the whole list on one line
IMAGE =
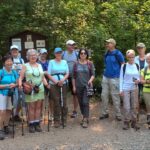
[(145, 79)]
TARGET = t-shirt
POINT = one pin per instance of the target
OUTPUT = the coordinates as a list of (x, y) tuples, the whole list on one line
[(7, 78), (17, 64), (146, 87), (113, 60), (126, 81), (83, 74), (60, 68), (44, 65), (142, 64), (71, 58)]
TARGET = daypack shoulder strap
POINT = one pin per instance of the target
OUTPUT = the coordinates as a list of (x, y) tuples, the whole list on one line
[(145, 71), (124, 69)]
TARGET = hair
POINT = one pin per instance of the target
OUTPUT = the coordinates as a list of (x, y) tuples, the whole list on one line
[(6, 57), (86, 51), (31, 51), (147, 55), (130, 51)]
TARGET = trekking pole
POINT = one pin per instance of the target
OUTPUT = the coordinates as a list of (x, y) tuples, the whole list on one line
[(13, 124), (62, 106), (22, 120)]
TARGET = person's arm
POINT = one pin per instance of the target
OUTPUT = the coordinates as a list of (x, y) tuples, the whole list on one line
[(22, 73), (92, 75)]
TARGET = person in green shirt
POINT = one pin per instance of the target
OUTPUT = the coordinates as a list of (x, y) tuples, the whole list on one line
[(145, 79)]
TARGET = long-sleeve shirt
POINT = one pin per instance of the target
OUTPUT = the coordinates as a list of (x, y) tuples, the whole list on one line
[(126, 81)]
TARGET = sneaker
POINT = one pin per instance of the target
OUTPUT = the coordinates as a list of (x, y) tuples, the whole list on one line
[(38, 128), (2, 135), (134, 125), (104, 117), (74, 114), (118, 118), (85, 124), (6, 130), (17, 118), (31, 128)]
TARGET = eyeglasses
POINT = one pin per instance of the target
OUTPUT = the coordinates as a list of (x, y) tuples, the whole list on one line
[(83, 53)]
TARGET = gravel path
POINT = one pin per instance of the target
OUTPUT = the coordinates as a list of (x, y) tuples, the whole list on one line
[(101, 135)]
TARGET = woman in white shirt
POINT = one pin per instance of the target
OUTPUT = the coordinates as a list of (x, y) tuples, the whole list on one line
[(129, 79)]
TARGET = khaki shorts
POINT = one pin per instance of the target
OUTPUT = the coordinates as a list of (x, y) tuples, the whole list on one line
[(5, 102)]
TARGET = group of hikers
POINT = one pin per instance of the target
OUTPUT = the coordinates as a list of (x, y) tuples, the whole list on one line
[(26, 85)]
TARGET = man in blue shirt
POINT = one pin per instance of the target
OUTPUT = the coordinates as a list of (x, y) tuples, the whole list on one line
[(110, 81)]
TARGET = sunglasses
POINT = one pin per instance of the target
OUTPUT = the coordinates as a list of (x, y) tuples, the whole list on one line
[(83, 53)]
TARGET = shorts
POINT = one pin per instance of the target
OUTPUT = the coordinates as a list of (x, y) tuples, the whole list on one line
[(5, 102)]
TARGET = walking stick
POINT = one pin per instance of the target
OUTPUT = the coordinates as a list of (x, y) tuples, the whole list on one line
[(11, 93), (22, 120), (62, 106)]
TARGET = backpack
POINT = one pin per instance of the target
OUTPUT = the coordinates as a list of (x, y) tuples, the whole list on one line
[(89, 63), (115, 55), (65, 53), (124, 68)]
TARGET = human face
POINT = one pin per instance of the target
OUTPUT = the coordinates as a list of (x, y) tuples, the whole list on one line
[(8, 64), (70, 47), (130, 58), (83, 55), (33, 57), (141, 50), (109, 46), (14, 53), (58, 55), (43, 56), (148, 60)]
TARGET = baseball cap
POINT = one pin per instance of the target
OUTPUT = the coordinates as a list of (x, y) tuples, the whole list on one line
[(140, 45), (14, 47), (57, 49), (70, 42), (111, 41), (43, 50)]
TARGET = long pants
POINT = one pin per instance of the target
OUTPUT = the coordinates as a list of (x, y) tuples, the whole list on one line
[(147, 102), (110, 86), (56, 97), (130, 104), (83, 101)]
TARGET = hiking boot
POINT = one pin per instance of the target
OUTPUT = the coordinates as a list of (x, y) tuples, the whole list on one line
[(56, 124), (31, 128), (74, 114), (134, 125), (118, 118), (6, 130), (104, 116), (148, 119), (85, 123), (126, 125), (38, 128), (17, 118), (2, 135)]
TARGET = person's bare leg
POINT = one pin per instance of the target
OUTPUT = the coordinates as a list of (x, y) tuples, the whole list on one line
[(2, 119)]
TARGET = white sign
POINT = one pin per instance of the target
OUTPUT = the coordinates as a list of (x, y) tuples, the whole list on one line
[(17, 42), (40, 43), (29, 45)]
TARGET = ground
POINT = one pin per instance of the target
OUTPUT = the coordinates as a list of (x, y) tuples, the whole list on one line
[(101, 135)]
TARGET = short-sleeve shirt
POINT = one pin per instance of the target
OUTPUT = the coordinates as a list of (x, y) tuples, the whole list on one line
[(7, 78), (17, 64), (71, 58), (58, 69), (146, 87), (83, 73), (113, 61)]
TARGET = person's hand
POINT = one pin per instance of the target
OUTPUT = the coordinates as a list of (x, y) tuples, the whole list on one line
[(48, 86), (136, 82), (122, 94), (60, 83), (74, 89), (12, 85), (147, 81)]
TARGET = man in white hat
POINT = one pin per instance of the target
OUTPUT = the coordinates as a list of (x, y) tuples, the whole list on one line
[(110, 82), (17, 65), (71, 56)]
